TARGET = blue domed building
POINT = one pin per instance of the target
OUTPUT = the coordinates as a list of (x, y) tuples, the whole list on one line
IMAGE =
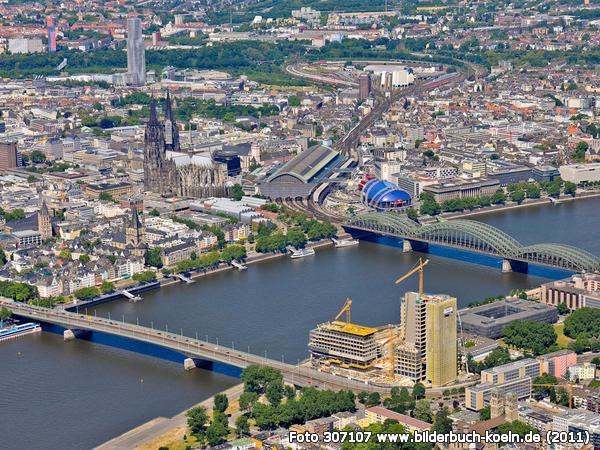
[(384, 196)]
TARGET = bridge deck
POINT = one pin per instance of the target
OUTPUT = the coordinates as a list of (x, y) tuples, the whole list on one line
[(296, 374)]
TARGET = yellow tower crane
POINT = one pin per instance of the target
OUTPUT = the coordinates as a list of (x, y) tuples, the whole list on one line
[(420, 269), (345, 309), (392, 338)]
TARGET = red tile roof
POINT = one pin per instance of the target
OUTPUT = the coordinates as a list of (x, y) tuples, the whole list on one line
[(404, 419)]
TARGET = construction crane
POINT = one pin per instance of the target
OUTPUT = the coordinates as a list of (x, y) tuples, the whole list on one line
[(345, 309), (570, 386), (420, 269)]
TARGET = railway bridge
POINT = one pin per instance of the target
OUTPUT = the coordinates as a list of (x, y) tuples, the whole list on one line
[(475, 237)]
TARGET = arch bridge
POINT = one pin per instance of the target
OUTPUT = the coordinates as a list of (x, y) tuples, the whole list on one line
[(477, 237)]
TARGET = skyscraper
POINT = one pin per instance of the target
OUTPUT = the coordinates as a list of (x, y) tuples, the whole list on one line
[(441, 340), (51, 34), (9, 155), (136, 53), (428, 350), (364, 85)]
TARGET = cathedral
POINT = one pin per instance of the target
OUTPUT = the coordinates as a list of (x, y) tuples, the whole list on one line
[(170, 172)]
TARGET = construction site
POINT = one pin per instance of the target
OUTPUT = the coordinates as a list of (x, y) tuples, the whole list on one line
[(422, 347)]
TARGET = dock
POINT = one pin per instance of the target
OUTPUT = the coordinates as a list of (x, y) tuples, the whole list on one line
[(238, 265), (183, 278), (130, 296)]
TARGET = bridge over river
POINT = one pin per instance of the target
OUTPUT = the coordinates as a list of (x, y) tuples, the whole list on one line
[(476, 237), (193, 348)]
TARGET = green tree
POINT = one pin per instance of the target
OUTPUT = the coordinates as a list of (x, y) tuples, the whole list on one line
[(418, 391), (296, 237), (422, 411), (430, 208), (412, 214), (517, 196), (220, 402), (65, 254), (242, 426), (570, 188), (197, 420), (236, 192), (529, 334), (485, 413), (274, 392), (154, 213), (86, 292), (84, 258), (442, 424), (153, 257), (516, 427), (247, 400), (580, 344), (532, 190), (545, 378), (3, 257), (374, 399), (5, 314), (562, 309), (107, 286), (37, 157), (499, 196), (583, 321)]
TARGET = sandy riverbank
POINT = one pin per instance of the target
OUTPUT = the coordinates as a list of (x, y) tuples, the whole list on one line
[(152, 434)]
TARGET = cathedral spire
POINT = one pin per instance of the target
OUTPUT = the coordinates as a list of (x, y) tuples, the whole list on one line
[(153, 119), (168, 110)]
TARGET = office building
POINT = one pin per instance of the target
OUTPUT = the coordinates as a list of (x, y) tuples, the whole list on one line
[(51, 34), (441, 340), (136, 53), (509, 379), (364, 85), (557, 363), (9, 155), (489, 320), (581, 290), (24, 45), (580, 173), (458, 188), (345, 344)]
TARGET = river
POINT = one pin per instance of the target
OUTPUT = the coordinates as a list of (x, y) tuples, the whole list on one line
[(82, 393)]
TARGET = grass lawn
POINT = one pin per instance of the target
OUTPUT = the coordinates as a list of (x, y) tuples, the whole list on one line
[(562, 341)]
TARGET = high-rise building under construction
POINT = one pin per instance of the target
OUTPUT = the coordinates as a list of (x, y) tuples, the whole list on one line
[(441, 340), (428, 348)]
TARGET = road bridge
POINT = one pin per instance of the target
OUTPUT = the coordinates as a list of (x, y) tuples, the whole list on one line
[(475, 237), (193, 348)]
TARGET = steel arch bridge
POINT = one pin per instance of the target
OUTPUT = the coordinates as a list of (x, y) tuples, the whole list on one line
[(477, 237)]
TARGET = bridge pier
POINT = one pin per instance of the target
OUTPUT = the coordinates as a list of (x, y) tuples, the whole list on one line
[(69, 335), (417, 246), (509, 265), (189, 364)]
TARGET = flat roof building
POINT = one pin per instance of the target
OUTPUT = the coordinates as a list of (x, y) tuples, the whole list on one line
[(449, 190), (346, 344), (512, 378), (579, 173), (489, 320)]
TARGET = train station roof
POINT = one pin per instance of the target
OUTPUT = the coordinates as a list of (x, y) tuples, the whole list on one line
[(305, 166)]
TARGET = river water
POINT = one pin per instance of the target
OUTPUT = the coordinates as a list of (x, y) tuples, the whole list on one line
[(82, 393)]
